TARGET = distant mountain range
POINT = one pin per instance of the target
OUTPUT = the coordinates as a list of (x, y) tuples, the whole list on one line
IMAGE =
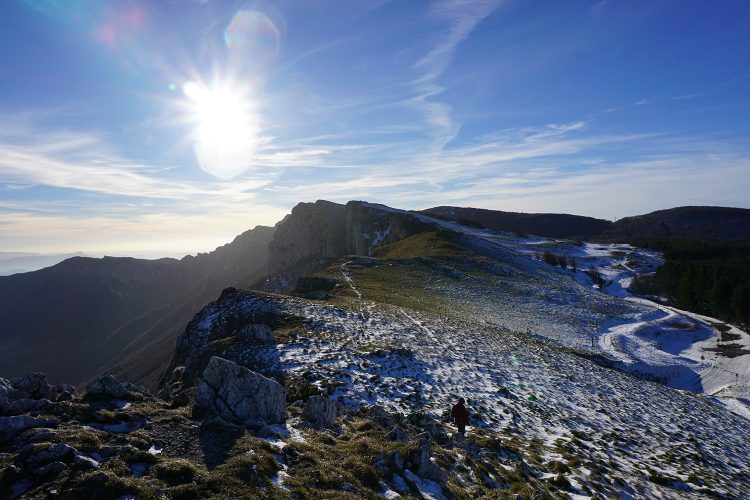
[(85, 316), (680, 223), (22, 262), (549, 225), (700, 223)]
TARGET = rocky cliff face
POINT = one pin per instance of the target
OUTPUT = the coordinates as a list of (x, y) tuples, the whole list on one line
[(315, 233)]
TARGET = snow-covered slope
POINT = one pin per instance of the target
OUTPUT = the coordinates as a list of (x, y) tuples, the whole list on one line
[(617, 435), (684, 350), (681, 349)]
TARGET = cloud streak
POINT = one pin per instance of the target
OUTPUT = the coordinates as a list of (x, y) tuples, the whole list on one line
[(84, 161), (461, 17)]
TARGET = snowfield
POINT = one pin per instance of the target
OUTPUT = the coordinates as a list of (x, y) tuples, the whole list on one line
[(678, 348), (630, 437)]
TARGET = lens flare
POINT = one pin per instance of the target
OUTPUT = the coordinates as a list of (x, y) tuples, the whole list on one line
[(252, 38), (227, 129)]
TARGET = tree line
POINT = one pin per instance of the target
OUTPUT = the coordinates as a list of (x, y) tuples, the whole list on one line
[(710, 277)]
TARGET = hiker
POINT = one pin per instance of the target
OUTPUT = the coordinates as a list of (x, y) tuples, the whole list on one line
[(460, 416)]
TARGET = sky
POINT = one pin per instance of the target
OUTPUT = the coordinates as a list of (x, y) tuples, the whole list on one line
[(163, 128)]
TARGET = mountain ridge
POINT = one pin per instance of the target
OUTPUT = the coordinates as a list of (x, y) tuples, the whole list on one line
[(146, 303), (130, 335)]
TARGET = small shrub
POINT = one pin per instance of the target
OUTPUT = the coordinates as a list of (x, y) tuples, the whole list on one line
[(561, 482), (297, 388), (176, 471), (558, 467)]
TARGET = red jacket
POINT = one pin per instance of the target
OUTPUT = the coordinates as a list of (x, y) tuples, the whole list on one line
[(459, 414)]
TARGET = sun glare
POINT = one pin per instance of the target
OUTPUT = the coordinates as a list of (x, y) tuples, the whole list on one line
[(226, 129)]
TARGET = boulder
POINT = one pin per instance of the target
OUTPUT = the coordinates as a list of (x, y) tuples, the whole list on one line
[(108, 387), (6, 389), (66, 392), (59, 452), (389, 463), (380, 416), (320, 412), (53, 468), (14, 425), (237, 394), (29, 405), (420, 461), (256, 333), (38, 436), (36, 386), (10, 474), (9, 394), (428, 424), (397, 434)]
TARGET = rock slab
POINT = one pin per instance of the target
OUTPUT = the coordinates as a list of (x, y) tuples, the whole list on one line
[(320, 412), (239, 395), (19, 423), (256, 333), (108, 387)]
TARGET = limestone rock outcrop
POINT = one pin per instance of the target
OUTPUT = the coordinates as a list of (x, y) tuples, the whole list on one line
[(256, 333), (31, 392), (239, 395), (320, 412), (109, 387), (19, 423), (318, 232)]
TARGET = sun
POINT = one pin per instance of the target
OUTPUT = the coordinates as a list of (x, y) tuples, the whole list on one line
[(226, 128)]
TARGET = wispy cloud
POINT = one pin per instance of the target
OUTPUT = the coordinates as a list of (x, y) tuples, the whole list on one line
[(566, 167), (461, 18), (711, 90), (31, 155)]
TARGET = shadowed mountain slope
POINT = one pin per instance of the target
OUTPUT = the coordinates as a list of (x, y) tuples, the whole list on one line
[(549, 225), (680, 223), (81, 316), (698, 223)]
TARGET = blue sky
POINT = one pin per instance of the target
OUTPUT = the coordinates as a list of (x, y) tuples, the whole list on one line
[(163, 128)]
